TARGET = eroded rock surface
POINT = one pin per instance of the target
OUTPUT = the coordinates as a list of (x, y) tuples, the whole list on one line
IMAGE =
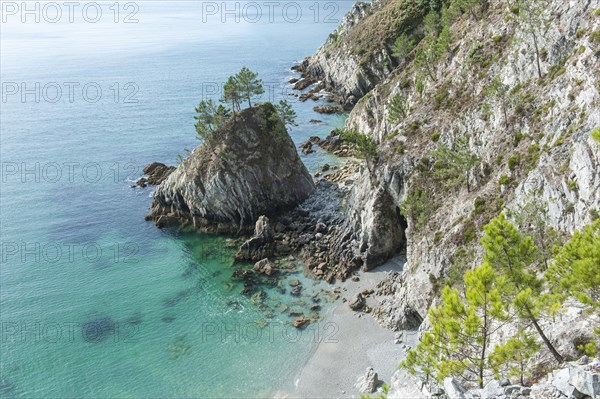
[(251, 168)]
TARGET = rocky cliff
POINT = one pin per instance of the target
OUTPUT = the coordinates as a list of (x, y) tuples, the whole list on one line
[(250, 168), (358, 54), (529, 134)]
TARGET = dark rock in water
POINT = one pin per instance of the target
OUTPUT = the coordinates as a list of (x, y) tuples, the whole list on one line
[(168, 318), (307, 96), (328, 109), (315, 121), (294, 283), (260, 245), (265, 266), (304, 83), (156, 173), (296, 291), (306, 147), (99, 329), (301, 322), (249, 168), (293, 80), (235, 305)]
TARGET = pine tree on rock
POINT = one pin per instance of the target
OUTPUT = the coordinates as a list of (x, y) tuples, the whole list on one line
[(249, 84), (232, 93), (513, 256), (511, 358), (576, 268), (459, 342), (286, 113)]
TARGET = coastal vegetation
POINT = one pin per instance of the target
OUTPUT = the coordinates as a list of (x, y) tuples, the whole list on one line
[(243, 86), (363, 145), (286, 113), (466, 335)]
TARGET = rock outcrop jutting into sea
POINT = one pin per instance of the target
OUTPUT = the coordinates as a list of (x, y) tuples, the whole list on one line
[(250, 168)]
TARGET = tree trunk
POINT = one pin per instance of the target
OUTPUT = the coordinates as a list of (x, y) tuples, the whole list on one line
[(552, 349), (485, 334), (468, 185), (537, 53)]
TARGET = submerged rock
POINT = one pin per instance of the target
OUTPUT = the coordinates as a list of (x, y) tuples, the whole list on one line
[(250, 168)]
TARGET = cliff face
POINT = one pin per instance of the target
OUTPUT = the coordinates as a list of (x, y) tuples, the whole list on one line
[(251, 168), (532, 138), (358, 54)]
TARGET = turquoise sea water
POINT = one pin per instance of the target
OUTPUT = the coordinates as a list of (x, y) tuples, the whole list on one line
[(96, 302)]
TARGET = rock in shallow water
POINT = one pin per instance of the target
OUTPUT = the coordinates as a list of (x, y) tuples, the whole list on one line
[(250, 168)]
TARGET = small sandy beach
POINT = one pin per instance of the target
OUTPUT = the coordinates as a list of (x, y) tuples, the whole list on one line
[(360, 342)]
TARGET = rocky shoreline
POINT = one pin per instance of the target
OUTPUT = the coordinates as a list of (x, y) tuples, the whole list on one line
[(356, 218)]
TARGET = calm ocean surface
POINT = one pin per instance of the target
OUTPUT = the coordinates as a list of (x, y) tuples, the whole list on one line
[(96, 302)]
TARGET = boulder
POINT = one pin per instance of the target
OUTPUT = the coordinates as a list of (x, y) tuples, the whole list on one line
[(357, 302), (306, 148), (301, 322), (455, 390), (367, 383), (328, 109), (155, 173), (585, 381), (492, 390), (560, 380), (249, 167), (265, 266), (404, 385), (304, 83), (260, 245)]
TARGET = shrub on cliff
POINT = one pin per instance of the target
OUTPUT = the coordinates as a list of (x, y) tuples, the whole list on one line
[(286, 113), (507, 283), (418, 207), (364, 146), (398, 108), (209, 118), (596, 134), (454, 164)]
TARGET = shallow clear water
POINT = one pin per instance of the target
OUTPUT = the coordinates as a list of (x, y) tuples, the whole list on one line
[(96, 302)]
